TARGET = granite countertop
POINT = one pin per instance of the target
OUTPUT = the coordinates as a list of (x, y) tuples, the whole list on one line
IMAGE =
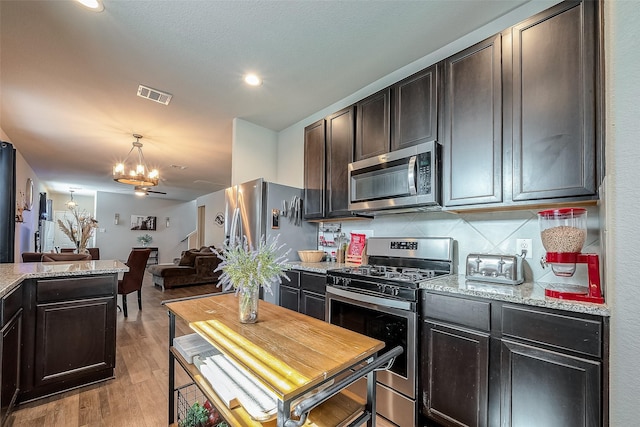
[(528, 293), (315, 267), (11, 275)]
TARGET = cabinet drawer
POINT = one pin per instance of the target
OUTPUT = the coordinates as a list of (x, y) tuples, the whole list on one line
[(74, 288), (465, 312), (564, 331), (11, 303), (294, 279), (314, 282)]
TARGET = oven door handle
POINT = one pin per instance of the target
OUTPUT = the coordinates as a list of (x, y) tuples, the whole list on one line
[(370, 299), (411, 175)]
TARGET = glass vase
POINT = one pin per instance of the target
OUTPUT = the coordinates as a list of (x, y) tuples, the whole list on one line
[(248, 304)]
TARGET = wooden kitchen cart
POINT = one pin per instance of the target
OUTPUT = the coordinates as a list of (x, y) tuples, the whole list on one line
[(290, 354)]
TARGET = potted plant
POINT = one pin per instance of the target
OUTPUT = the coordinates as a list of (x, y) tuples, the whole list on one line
[(145, 239), (245, 269)]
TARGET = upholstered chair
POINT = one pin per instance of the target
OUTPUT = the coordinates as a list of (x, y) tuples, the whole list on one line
[(132, 280), (31, 256)]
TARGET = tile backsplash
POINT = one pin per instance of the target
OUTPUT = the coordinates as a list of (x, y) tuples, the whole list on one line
[(487, 232)]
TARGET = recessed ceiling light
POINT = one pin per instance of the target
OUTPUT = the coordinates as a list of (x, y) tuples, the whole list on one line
[(252, 79), (95, 5)]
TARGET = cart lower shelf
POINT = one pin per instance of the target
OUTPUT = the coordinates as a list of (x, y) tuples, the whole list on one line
[(339, 410)]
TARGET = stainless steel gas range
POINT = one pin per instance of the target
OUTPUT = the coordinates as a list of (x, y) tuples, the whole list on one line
[(380, 300)]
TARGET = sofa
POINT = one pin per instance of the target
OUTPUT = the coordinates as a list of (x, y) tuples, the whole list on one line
[(194, 267)]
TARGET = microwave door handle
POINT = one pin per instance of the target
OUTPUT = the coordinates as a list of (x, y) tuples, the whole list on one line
[(411, 175)]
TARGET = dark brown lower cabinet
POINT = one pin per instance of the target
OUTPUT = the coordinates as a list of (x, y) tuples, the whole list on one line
[(290, 291), (69, 334), (492, 363), (289, 297), (73, 339), (554, 389), (312, 304), (312, 294), (10, 344), (457, 371)]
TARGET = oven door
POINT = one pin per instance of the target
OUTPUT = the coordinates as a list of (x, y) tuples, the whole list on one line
[(370, 315)]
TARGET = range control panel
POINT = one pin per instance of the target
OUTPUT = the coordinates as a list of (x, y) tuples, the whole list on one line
[(412, 246)]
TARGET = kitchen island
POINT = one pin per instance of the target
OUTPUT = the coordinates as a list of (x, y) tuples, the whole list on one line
[(58, 327), (290, 354)]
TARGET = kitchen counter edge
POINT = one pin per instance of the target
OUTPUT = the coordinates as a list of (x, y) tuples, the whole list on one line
[(12, 274), (527, 293)]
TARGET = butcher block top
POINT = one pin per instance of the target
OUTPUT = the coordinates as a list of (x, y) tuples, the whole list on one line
[(289, 352)]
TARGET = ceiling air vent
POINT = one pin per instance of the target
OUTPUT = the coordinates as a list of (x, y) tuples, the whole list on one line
[(154, 95)]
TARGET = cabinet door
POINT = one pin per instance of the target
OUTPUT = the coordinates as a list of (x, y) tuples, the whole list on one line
[(373, 132), (549, 387), (314, 170), (289, 298), (312, 304), (472, 134), (554, 98), (455, 375), (340, 140), (416, 109), (74, 339), (10, 352)]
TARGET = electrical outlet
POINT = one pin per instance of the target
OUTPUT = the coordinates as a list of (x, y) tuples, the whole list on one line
[(523, 245)]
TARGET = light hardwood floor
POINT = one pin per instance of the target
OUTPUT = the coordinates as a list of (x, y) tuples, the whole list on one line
[(138, 396)]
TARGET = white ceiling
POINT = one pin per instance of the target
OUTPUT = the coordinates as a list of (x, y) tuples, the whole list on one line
[(68, 76)]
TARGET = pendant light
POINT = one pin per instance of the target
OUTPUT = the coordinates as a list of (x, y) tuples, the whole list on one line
[(71, 204), (138, 174)]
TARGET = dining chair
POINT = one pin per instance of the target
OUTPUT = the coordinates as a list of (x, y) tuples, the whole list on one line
[(65, 257), (95, 253), (132, 280)]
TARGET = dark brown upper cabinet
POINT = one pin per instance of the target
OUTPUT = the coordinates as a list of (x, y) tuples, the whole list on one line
[(399, 116), (415, 109), (553, 92), (328, 150), (340, 141), (522, 122), (314, 170), (373, 125), (472, 130)]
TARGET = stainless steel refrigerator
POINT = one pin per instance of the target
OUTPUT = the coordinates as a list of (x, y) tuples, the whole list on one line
[(255, 209)]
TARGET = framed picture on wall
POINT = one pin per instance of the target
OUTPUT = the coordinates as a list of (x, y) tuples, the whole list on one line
[(143, 222)]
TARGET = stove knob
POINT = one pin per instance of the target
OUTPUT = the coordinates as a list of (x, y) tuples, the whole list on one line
[(395, 292)]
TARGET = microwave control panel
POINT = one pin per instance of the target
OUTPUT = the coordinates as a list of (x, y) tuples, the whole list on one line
[(424, 173)]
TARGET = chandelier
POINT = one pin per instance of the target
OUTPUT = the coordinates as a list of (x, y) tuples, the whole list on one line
[(139, 174)]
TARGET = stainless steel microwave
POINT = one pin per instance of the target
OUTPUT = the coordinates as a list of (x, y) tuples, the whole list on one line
[(406, 178)]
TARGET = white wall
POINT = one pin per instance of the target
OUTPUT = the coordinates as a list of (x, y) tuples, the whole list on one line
[(214, 206), (116, 241), (623, 252), (254, 153), (25, 231)]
